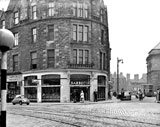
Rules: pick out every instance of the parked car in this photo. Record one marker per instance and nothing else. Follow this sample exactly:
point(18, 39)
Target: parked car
point(20, 99)
point(127, 96)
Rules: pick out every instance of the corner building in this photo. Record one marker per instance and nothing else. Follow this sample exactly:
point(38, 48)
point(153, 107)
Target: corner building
point(61, 46)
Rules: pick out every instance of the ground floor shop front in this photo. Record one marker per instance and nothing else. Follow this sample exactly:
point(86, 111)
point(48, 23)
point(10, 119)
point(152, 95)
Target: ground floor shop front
point(62, 86)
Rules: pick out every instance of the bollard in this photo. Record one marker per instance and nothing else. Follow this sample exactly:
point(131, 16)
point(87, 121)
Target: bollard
point(6, 43)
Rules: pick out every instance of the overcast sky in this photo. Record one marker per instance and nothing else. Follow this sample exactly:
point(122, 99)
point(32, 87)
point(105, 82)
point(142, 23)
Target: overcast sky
point(134, 29)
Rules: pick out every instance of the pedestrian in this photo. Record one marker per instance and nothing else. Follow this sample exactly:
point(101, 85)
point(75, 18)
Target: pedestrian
point(140, 94)
point(158, 96)
point(122, 93)
point(109, 94)
point(82, 96)
point(74, 96)
point(95, 95)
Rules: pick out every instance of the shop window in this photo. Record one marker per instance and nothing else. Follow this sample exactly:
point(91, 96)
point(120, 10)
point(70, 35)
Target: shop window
point(79, 79)
point(31, 93)
point(101, 80)
point(51, 79)
point(30, 81)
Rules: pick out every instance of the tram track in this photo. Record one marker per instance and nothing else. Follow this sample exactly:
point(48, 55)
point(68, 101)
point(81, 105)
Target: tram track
point(80, 120)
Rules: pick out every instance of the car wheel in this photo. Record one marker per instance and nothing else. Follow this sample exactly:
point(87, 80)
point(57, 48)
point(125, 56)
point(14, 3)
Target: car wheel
point(13, 103)
point(27, 103)
point(20, 102)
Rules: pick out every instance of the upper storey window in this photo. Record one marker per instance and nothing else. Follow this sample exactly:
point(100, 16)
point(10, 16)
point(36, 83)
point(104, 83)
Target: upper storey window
point(80, 33)
point(34, 12)
point(16, 39)
point(16, 17)
point(101, 15)
point(51, 7)
point(50, 32)
point(34, 34)
point(85, 10)
point(3, 24)
point(80, 10)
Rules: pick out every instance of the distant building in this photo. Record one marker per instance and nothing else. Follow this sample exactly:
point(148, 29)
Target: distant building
point(61, 46)
point(153, 68)
point(127, 83)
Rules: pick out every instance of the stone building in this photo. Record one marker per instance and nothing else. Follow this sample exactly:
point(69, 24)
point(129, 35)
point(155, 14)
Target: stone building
point(60, 47)
point(153, 68)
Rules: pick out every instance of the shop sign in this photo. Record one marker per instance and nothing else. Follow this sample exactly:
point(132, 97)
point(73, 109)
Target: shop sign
point(14, 78)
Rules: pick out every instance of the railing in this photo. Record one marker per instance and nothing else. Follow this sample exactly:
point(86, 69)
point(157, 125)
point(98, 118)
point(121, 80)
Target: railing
point(81, 66)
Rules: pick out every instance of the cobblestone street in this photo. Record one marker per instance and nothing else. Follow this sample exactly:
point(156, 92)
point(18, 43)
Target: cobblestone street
point(111, 113)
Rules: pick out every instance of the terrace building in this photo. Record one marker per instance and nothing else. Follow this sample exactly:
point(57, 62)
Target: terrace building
point(61, 46)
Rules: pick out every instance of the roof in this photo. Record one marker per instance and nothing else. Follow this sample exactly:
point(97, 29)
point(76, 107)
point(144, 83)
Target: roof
point(12, 4)
point(157, 46)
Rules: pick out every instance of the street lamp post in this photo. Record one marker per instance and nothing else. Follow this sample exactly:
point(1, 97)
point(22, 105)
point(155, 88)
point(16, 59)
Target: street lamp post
point(118, 60)
point(6, 43)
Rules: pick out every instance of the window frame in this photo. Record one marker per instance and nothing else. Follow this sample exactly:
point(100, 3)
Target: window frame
point(50, 32)
point(34, 60)
point(15, 62)
point(34, 12)
point(16, 37)
point(34, 34)
point(49, 57)
point(16, 17)
point(51, 8)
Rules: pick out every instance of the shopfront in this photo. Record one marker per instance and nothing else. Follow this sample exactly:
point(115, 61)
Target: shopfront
point(51, 88)
point(78, 83)
point(30, 88)
point(101, 87)
point(13, 86)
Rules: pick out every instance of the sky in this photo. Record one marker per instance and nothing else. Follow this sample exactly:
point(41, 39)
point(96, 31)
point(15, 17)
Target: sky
point(134, 29)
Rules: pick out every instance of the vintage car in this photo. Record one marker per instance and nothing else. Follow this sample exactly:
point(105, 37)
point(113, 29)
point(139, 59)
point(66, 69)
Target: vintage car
point(127, 96)
point(20, 99)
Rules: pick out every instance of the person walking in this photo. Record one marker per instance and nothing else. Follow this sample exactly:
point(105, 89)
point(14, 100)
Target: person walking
point(140, 95)
point(95, 95)
point(82, 96)
point(158, 96)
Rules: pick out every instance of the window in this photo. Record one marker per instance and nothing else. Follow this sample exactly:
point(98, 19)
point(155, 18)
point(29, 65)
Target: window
point(102, 61)
point(85, 11)
point(51, 58)
point(86, 33)
point(101, 15)
point(86, 57)
point(33, 60)
point(16, 17)
point(51, 79)
point(80, 56)
point(16, 39)
point(51, 32)
point(75, 56)
point(74, 9)
point(34, 12)
point(3, 24)
point(102, 37)
point(51, 9)
point(15, 63)
point(80, 33)
point(34, 34)
point(75, 32)
point(80, 10)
